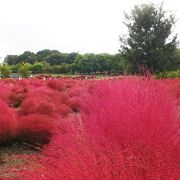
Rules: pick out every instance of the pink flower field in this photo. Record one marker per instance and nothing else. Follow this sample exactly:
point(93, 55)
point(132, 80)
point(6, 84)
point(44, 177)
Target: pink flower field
point(114, 129)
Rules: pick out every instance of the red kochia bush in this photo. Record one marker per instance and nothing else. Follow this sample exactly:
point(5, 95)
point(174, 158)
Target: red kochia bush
point(55, 84)
point(17, 96)
point(35, 128)
point(37, 105)
point(140, 118)
point(5, 90)
point(128, 130)
point(8, 123)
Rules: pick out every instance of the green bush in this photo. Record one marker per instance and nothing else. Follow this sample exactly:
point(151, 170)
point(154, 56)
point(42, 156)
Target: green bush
point(24, 70)
point(5, 71)
point(170, 74)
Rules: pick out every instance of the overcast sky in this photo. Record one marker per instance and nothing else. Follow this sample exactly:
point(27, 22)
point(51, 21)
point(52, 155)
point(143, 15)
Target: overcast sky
point(66, 25)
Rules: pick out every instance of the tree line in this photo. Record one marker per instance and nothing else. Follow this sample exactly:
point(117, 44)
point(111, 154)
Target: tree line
point(53, 61)
point(73, 63)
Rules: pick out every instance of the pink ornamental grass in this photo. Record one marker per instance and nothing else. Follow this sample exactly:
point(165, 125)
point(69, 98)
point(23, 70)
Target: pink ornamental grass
point(128, 129)
point(8, 123)
point(141, 119)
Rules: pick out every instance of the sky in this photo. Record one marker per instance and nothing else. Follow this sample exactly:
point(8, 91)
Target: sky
point(84, 26)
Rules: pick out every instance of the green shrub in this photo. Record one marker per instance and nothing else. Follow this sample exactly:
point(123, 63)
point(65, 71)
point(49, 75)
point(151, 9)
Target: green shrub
point(170, 74)
point(5, 71)
point(24, 70)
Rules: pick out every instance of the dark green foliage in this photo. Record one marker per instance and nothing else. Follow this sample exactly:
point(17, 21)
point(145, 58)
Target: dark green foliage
point(148, 42)
point(53, 57)
point(99, 63)
point(11, 59)
point(52, 61)
point(27, 57)
point(62, 69)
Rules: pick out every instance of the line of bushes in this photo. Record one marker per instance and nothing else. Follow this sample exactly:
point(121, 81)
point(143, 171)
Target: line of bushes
point(168, 74)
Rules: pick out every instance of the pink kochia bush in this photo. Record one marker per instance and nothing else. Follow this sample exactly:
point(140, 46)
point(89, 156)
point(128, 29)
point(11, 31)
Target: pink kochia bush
point(8, 123)
point(140, 118)
point(30, 110)
point(127, 129)
point(35, 128)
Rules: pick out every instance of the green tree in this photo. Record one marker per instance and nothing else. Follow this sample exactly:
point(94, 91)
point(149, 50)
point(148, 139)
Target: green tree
point(55, 58)
point(61, 69)
point(177, 62)
point(27, 57)
point(104, 62)
point(148, 42)
point(117, 65)
point(37, 67)
point(41, 55)
point(15, 68)
point(70, 58)
point(46, 67)
point(5, 70)
point(24, 70)
point(84, 63)
point(11, 59)
point(65, 68)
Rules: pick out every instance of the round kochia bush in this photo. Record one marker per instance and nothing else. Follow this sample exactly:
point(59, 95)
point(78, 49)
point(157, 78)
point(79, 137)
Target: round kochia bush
point(128, 129)
point(8, 123)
